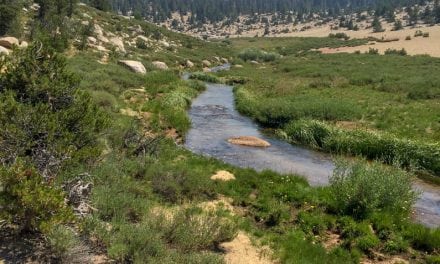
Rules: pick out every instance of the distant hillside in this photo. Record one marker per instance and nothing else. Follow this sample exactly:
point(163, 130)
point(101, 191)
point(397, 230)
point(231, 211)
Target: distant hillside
point(217, 10)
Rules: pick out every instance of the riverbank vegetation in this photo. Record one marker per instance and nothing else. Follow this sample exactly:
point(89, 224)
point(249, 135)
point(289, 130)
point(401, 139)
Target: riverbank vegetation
point(378, 107)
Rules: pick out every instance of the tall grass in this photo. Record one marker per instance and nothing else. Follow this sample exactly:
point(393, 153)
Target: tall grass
point(371, 145)
point(252, 54)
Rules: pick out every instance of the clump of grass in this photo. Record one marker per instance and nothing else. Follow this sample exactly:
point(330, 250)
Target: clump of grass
point(252, 54)
point(361, 189)
point(206, 77)
point(401, 52)
point(374, 146)
point(339, 35)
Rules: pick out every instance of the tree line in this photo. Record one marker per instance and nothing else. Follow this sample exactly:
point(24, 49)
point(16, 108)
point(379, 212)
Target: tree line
point(217, 10)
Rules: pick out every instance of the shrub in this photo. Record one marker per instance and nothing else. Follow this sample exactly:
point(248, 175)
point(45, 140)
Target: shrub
point(360, 189)
point(426, 34)
point(339, 35)
point(29, 201)
point(61, 240)
point(418, 33)
point(195, 230)
point(408, 38)
point(401, 52)
point(253, 54)
point(44, 117)
point(373, 51)
point(423, 238)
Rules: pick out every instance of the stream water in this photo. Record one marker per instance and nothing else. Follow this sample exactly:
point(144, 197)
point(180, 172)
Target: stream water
point(215, 120)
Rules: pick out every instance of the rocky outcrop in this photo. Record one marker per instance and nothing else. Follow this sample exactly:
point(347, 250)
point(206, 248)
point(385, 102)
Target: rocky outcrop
point(249, 141)
point(118, 43)
point(143, 38)
point(189, 64)
point(9, 42)
point(160, 65)
point(135, 66)
point(206, 63)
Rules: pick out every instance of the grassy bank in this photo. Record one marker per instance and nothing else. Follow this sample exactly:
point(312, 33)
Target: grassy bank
point(378, 107)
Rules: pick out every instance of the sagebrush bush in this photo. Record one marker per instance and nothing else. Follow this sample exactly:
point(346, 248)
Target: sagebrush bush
point(61, 240)
point(29, 201)
point(360, 189)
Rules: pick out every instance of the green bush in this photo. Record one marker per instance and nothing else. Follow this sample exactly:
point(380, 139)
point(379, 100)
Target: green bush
point(253, 54)
point(195, 230)
point(339, 35)
point(44, 116)
point(423, 238)
point(29, 201)
point(360, 189)
point(61, 240)
point(401, 52)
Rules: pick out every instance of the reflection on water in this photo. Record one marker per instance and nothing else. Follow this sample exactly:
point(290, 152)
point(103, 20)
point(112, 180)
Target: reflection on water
point(214, 120)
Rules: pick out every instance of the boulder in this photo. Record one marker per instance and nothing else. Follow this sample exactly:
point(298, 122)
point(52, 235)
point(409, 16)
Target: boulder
point(249, 141)
point(189, 64)
point(143, 38)
point(217, 58)
point(160, 65)
point(24, 44)
point(165, 44)
point(224, 60)
point(9, 42)
point(4, 50)
point(118, 43)
point(223, 175)
point(206, 69)
point(254, 62)
point(206, 63)
point(135, 66)
point(238, 66)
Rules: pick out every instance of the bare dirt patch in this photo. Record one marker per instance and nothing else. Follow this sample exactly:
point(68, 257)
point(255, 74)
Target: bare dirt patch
point(223, 176)
point(242, 251)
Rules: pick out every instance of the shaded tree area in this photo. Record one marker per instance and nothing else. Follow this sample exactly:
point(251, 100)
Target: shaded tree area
point(216, 10)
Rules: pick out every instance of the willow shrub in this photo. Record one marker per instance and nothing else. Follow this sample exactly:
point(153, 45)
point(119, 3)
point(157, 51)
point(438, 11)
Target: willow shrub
point(360, 189)
point(371, 145)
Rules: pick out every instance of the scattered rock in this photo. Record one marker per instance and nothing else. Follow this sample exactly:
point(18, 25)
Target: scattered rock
point(249, 141)
point(134, 66)
point(100, 48)
point(206, 63)
point(85, 23)
point(160, 65)
point(254, 62)
point(35, 7)
point(4, 50)
point(189, 64)
point(118, 43)
point(165, 44)
point(224, 60)
point(206, 70)
point(223, 175)
point(97, 30)
point(9, 42)
point(238, 66)
point(217, 58)
point(92, 40)
point(24, 44)
point(143, 38)
point(242, 251)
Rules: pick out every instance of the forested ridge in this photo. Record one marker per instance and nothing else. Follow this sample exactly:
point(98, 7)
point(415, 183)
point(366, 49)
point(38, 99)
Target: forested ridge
point(215, 10)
